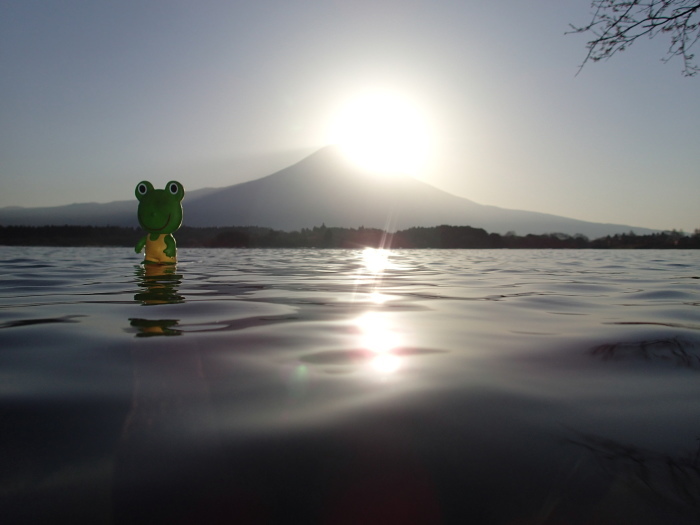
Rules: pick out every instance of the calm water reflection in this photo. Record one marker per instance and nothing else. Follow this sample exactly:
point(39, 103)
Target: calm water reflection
point(350, 386)
point(159, 284)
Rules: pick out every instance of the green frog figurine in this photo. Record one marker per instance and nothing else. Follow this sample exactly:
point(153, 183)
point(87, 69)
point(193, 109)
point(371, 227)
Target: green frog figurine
point(160, 214)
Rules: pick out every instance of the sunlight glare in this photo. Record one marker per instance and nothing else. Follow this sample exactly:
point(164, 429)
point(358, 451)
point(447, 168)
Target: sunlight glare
point(386, 363)
point(376, 337)
point(375, 260)
point(384, 133)
point(378, 297)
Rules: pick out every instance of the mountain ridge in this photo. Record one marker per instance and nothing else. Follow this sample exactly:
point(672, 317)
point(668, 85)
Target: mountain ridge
point(324, 188)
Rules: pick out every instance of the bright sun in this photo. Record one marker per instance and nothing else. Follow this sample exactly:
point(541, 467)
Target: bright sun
point(383, 133)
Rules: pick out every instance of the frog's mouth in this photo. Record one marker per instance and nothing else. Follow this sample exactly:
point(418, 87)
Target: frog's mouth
point(152, 229)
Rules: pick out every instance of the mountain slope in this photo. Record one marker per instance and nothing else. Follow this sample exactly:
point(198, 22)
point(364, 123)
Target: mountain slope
point(324, 188)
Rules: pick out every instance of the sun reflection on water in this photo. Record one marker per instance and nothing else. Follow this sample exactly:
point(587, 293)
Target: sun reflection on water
point(386, 363)
point(376, 335)
point(381, 340)
point(374, 263)
point(375, 260)
point(377, 297)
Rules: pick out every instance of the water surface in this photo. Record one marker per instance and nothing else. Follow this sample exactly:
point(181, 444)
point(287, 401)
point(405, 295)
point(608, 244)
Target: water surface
point(350, 386)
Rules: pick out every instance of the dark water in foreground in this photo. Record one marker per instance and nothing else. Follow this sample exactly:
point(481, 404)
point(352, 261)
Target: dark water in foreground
point(282, 386)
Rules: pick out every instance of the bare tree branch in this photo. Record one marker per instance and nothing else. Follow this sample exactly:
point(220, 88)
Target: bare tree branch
point(617, 24)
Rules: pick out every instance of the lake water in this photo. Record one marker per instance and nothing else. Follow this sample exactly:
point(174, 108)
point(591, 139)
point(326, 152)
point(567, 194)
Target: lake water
point(350, 386)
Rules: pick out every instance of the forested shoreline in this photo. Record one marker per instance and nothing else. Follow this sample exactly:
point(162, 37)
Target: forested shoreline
point(444, 237)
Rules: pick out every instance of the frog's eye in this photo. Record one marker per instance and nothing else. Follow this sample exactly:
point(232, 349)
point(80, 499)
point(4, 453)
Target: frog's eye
point(142, 189)
point(174, 188)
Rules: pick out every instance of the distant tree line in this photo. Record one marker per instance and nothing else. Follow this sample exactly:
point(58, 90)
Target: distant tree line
point(329, 237)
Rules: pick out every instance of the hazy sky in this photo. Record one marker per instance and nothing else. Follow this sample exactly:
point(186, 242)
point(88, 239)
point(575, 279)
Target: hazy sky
point(95, 96)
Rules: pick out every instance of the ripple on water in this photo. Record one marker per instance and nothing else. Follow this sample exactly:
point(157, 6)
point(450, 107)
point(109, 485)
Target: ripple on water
point(665, 295)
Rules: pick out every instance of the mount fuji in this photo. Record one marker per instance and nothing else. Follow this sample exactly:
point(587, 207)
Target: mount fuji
point(324, 188)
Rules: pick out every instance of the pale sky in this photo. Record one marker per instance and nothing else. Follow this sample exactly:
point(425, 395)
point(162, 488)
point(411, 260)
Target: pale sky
point(96, 96)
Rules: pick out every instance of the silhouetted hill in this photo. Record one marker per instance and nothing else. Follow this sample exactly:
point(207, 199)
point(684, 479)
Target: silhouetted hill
point(324, 188)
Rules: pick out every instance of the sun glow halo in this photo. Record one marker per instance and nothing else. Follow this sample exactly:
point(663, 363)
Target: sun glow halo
point(383, 133)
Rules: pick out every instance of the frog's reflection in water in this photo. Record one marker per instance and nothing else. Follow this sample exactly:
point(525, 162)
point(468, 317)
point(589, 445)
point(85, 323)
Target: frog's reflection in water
point(159, 284)
point(168, 435)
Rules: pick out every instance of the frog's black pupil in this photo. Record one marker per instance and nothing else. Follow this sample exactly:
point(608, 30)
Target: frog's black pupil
point(142, 189)
point(173, 188)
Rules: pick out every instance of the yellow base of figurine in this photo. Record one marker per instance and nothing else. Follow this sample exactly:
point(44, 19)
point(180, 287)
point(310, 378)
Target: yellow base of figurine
point(155, 252)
